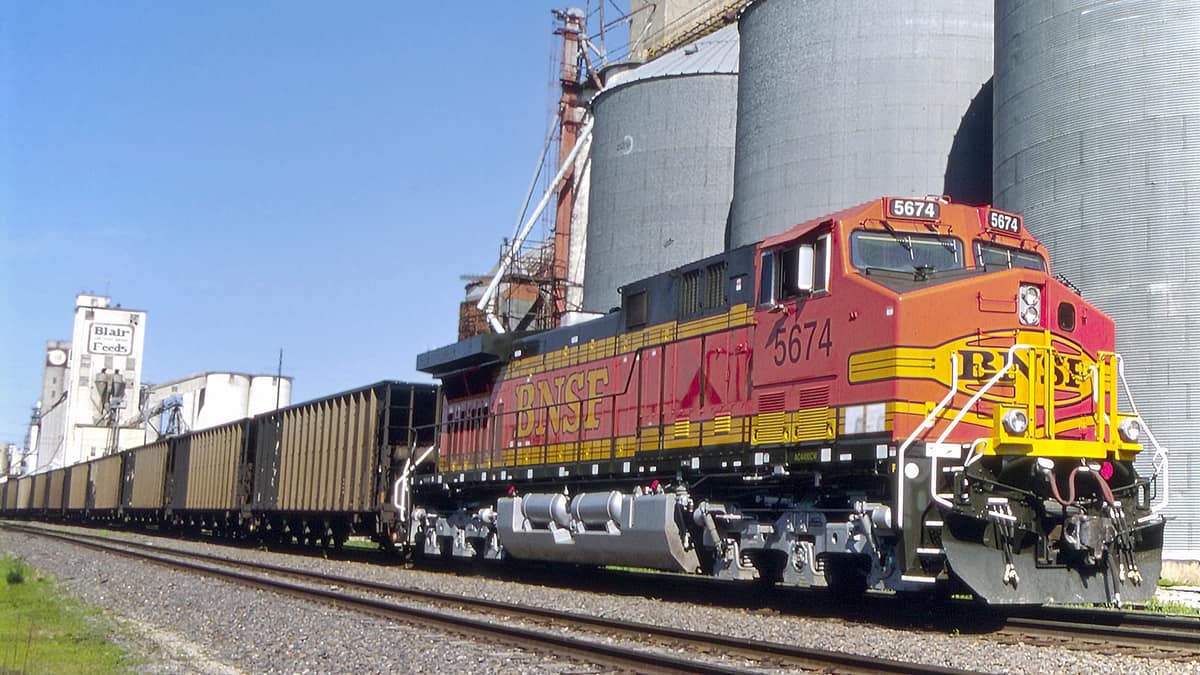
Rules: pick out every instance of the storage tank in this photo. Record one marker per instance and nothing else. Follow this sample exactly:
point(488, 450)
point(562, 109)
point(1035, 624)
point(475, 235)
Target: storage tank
point(263, 393)
point(841, 102)
point(1097, 107)
point(662, 166)
point(224, 397)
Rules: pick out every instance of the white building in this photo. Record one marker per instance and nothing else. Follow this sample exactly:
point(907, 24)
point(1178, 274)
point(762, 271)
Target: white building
point(210, 399)
point(90, 386)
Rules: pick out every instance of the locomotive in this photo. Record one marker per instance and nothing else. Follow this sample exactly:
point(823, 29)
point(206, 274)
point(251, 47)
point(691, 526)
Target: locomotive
point(896, 396)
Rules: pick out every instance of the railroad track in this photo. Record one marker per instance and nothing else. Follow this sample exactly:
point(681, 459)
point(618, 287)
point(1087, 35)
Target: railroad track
point(1122, 633)
point(565, 634)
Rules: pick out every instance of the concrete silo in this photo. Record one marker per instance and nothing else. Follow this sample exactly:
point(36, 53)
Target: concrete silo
point(268, 392)
point(662, 166)
point(841, 102)
point(1097, 107)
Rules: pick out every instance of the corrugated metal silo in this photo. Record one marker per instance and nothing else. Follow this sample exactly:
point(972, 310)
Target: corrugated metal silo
point(1097, 107)
point(662, 166)
point(841, 102)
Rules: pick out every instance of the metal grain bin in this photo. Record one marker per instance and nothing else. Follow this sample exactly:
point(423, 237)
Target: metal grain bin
point(840, 102)
point(1096, 111)
point(54, 499)
point(662, 166)
point(77, 487)
point(145, 477)
point(105, 478)
point(331, 454)
point(205, 467)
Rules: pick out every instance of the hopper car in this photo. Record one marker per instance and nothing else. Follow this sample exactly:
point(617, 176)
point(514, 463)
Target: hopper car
point(897, 396)
point(317, 472)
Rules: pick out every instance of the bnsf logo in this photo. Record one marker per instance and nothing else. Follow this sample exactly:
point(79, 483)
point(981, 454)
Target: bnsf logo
point(562, 403)
point(1070, 372)
point(980, 358)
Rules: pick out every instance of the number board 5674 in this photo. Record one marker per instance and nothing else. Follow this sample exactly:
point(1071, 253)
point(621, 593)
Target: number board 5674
point(1004, 222)
point(914, 209)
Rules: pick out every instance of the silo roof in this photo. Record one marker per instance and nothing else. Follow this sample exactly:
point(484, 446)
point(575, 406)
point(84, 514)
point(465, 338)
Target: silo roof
point(715, 54)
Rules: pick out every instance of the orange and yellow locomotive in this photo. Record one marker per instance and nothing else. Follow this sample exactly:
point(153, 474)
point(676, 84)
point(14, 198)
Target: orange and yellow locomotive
point(899, 395)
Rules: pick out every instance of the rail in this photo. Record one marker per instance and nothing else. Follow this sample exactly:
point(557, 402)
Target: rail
point(693, 651)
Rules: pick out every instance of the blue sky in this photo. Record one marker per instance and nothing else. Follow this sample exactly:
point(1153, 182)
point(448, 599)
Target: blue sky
point(307, 176)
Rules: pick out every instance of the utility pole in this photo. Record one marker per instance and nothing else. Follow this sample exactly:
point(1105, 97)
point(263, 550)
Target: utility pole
point(279, 378)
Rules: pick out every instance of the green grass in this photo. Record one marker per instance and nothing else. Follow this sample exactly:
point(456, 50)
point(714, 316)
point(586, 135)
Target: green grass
point(1170, 607)
point(360, 544)
point(44, 631)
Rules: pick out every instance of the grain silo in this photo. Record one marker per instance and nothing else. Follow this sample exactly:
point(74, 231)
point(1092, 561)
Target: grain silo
point(1097, 106)
point(267, 393)
point(841, 102)
point(662, 166)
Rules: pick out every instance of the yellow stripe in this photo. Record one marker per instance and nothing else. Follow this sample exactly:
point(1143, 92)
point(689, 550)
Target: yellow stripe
point(682, 428)
point(671, 331)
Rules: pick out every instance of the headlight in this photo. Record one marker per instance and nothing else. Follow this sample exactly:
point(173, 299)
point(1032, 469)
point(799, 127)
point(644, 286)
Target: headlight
point(1029, 305)
point(1130, 430)
point(1015, 422)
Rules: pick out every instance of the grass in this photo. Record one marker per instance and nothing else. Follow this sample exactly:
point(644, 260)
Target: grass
point(44, 631)
point(1170, 607)
point(360, 544)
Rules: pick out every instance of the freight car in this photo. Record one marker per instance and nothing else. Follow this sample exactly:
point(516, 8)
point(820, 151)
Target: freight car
point(899, 396)
point(318, 472)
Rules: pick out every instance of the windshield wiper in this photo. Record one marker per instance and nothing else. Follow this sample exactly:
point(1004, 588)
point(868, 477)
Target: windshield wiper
point(901, 238)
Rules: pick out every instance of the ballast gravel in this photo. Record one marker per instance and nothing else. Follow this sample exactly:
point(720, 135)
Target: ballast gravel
point(177, 622)
point(226, 628)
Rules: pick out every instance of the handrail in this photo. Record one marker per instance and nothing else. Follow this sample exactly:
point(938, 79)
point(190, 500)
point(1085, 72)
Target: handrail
point(1162, 455)
point(927, 423)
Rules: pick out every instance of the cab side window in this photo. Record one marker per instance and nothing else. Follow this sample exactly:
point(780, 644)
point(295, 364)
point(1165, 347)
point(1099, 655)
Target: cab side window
point(795, 270)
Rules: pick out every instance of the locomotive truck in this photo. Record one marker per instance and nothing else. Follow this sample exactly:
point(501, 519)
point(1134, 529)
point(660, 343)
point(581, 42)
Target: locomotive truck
point(897, 396)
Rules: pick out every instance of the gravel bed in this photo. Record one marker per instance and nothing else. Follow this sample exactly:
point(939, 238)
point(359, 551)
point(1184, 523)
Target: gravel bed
point(320, 640)
point(175, 622)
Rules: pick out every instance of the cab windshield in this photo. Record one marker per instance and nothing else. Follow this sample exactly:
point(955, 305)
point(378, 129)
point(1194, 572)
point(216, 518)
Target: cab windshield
point(905, 251)
point(994, 257)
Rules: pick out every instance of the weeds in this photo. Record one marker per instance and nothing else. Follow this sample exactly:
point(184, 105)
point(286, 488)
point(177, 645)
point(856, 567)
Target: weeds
point(1171, 607)
point(17, 572)
point(45, 631)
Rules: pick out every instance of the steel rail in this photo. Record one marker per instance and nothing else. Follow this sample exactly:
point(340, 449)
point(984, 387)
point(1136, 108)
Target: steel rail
point(1160, 638)
point(776, 654)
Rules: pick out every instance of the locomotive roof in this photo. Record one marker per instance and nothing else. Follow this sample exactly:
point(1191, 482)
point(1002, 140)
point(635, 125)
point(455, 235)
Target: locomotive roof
point(799, 230)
